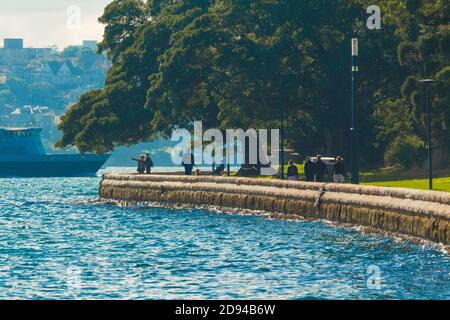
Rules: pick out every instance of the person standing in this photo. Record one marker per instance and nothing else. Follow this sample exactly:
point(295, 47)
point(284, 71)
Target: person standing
point(148, 163)
point(292, 173)
point(339, 171)
point(309, 170)
point(320, 169)
point(141, 164)
point(219, 170)
point(188, 163)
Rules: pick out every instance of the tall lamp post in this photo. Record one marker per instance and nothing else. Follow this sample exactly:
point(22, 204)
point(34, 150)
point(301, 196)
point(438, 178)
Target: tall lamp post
point(354, 128)
point(427, 83)
point(282, 140)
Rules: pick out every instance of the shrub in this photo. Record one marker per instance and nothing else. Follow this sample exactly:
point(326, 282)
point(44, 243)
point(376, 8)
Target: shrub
point(406, 151)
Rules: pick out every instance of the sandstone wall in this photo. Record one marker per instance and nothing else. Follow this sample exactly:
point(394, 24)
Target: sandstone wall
point(424, 214)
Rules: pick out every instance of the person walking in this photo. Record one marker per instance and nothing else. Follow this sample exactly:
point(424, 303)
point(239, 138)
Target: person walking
point(141, 164)
point(309, 170)
point(320, 169)
point(188, 163)
point(292, 173)
point(148, 163)
point(339, 171)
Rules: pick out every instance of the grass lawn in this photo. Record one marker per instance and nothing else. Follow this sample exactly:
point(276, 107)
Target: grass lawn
point(412, 180)
point(397, 180)
point(439, 184)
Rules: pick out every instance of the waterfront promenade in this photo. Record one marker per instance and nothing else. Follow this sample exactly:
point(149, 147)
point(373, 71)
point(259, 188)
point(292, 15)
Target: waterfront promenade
point(423, 214)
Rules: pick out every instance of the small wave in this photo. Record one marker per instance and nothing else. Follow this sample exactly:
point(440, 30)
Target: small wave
point(397, 237)
point(280, 216)
point(92, 201)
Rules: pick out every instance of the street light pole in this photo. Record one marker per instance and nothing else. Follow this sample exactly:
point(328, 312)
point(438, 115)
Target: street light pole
point(427, 83)
point(228, 160)
point(282, 140)
point(354, 128)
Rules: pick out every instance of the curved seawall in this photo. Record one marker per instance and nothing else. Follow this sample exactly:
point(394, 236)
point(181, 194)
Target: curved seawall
point(424, 214)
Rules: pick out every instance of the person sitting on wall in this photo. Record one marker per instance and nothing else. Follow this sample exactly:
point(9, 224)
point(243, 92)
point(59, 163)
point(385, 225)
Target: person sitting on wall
point(292, 173)
point(141, 164)
point(219, 170)
point(148, 164)
point(320, 169)
point(188, 163)
point(339, 171)
point(309, 170)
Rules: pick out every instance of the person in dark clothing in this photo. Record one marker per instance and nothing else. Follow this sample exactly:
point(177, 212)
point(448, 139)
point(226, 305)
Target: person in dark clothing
point(219, 170)
point(292, 173)
point(309, 170)
point(148, 163)
point(188, 163)
point(320, 169)
point(141, 164)
point(339, 171)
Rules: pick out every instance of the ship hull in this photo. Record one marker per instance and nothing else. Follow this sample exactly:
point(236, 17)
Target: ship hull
point(51, 165)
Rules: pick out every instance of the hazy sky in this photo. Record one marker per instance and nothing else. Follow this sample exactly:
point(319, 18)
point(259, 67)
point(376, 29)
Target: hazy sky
point(43, 23)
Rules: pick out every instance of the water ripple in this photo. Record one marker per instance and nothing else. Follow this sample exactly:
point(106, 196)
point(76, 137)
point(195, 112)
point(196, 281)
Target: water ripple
point(58, 241)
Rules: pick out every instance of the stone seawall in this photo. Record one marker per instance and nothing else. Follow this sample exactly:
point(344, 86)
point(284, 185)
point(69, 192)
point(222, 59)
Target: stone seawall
point(424, 214)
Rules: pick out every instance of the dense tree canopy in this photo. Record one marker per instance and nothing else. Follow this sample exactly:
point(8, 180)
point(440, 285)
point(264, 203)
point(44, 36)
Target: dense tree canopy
point(424, 52)
point(236, 63)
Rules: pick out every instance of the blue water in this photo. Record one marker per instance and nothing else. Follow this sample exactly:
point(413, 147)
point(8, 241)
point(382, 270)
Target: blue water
point(57, 242)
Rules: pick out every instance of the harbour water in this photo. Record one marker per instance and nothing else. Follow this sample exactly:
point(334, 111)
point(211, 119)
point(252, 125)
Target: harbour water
point(58, 241)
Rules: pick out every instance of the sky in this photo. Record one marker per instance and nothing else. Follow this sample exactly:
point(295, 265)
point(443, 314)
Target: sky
point(43, 23)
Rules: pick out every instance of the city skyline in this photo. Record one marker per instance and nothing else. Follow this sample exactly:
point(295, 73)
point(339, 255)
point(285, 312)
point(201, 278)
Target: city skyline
point(46, 23)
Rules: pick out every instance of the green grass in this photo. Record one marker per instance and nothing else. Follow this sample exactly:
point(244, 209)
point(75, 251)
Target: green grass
point(388, 177)
point(439, 184)
point(397, 179)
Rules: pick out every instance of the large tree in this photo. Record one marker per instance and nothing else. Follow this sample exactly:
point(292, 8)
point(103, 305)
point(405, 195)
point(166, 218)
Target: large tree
point(423, 53)
point(236, 63)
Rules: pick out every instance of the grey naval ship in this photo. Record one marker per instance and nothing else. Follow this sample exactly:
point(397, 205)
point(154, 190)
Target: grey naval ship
point(22, 154)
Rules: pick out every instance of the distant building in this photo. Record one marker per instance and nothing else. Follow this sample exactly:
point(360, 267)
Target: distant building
point(13, 43)
point(44, 65)
point(14, 57)
point(92, 44)
point(60, 72)
point(69, 76)
point(14, 54)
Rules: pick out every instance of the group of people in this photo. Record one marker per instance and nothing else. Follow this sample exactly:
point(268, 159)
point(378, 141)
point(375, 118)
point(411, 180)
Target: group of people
point(317, 171)
point(145, 164)
point(189, 164)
